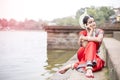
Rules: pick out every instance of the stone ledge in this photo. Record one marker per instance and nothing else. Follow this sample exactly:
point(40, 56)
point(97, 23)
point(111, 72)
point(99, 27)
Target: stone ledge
point(113, 62)
point(116, 35)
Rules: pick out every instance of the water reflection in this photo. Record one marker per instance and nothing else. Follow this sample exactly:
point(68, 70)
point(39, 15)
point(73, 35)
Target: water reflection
point(56, 58)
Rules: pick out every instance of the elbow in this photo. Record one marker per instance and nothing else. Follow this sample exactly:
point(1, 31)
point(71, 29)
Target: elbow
point(100, 40)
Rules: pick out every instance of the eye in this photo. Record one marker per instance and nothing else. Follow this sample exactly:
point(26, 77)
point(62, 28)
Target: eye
point(90, 22)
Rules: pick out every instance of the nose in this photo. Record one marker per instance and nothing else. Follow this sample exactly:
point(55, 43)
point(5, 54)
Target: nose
point(93, 23)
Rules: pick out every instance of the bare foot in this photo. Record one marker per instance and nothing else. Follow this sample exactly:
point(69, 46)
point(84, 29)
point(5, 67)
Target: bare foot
point(89, 73)
point(66, 68)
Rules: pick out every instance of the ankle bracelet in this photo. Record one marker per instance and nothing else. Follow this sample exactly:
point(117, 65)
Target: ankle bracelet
point(89, 67)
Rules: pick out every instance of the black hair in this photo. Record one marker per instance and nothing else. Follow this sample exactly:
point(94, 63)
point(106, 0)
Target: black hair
point(85, 19)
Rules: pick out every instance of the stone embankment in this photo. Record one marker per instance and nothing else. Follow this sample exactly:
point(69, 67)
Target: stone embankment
point(113, 54)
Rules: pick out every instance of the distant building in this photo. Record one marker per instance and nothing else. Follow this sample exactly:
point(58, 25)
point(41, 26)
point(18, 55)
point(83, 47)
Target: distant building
point(115, 18)
point(118, 18)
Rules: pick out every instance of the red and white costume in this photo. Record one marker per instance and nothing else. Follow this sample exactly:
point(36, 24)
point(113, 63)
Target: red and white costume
point(89, 55)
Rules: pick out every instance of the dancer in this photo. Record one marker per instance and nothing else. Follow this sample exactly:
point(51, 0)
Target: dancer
point(90, 40)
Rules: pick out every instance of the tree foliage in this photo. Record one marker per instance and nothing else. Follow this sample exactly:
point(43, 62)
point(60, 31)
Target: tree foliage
point(67, 21)
point(101, 15)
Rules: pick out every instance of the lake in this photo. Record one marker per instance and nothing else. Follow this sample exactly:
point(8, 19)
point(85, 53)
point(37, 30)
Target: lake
point(24, 56)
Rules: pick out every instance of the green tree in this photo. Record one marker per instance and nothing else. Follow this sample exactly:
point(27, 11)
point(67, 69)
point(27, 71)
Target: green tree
point(101, 15)
point(107, 12)
point(67, 21)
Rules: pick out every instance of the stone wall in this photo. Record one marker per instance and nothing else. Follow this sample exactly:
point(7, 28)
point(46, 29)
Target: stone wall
point(62, 41)
point(66, 37)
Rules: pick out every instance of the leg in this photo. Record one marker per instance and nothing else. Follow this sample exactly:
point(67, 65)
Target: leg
point(81, 67)
point(90, 52)
point(80, 53)
point(99, 65)
point(86, 54)
point(66, 68)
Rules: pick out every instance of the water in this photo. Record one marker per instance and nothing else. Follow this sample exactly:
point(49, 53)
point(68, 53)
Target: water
point(24, 56)
point(56, 59)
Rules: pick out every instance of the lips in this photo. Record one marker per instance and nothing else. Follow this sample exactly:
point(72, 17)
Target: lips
point(94, 25)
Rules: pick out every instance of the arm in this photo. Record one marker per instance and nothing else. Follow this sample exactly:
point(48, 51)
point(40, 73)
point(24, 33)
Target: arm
point(99, 38)
point(82, 42)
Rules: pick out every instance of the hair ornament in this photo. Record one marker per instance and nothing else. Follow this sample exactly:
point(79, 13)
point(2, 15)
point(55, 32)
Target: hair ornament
point(81, 19)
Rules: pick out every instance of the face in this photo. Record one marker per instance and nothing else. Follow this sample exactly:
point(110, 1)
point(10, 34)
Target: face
point(91, 22)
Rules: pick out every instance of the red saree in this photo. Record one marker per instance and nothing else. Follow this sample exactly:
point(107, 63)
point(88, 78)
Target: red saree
point(89, 55)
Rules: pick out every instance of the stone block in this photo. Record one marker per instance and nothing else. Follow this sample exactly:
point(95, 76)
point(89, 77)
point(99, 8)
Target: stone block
point(116, 35)
point(113, 62)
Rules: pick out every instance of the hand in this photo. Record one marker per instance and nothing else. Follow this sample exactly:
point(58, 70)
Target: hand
point(83, 38)
point(80, 38)
point(89, 27)
point(84, 43)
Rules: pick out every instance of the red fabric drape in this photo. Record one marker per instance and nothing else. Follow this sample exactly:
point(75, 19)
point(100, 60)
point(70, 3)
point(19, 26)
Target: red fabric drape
point(89, 53)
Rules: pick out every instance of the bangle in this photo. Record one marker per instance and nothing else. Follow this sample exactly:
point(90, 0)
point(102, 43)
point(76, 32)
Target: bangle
point(89, 67)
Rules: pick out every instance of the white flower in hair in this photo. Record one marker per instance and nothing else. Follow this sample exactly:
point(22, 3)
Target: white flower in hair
point(81, 19)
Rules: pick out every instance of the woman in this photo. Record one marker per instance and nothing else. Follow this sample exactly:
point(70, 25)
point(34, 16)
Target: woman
point(90, 40)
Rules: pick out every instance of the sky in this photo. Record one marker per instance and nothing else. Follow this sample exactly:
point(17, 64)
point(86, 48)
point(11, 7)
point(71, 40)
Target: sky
point(47, 9)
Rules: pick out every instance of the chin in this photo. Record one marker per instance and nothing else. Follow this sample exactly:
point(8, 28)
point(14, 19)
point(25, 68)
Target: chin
point(94, 26)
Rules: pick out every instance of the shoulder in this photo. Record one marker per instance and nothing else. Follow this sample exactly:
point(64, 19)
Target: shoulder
point(100, 31)
point(83, 32)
